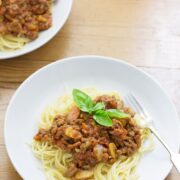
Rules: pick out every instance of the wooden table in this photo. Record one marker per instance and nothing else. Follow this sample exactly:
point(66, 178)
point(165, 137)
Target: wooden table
point(145, 33)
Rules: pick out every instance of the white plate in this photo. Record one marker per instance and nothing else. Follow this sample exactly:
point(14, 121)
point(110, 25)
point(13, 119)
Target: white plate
point(103, 73)
point(60, 13)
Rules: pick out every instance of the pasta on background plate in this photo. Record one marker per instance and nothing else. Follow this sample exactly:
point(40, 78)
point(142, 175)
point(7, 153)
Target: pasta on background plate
point(21, 21)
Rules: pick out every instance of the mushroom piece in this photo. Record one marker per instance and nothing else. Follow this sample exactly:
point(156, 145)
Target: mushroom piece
point(83, 174)
point(112, 150)
point(72, 133)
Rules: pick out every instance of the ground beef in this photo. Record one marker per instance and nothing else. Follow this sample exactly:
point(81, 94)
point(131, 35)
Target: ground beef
point(109, 101)
point(25, 17)
point(90, 143)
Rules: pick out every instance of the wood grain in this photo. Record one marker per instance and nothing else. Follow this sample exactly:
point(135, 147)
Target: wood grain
point(145, 33)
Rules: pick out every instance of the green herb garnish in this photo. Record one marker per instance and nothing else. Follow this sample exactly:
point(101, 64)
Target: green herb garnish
point(102, 118)
point(100, 115)
point(115, 113)
point(99, 106)
point(83, 101)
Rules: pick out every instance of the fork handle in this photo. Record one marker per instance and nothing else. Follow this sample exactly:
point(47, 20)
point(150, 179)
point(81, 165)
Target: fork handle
point(160, 139)
point(175, 158)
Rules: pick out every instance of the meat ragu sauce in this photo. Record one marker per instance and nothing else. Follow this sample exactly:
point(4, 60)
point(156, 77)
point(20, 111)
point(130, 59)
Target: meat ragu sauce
point(25, 17)
point(90, 143)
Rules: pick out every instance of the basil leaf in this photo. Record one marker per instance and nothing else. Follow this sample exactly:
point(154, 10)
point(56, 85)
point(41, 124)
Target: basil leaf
point(99, 106)
point(102, 118)
point(83, 101)
point(114, 113)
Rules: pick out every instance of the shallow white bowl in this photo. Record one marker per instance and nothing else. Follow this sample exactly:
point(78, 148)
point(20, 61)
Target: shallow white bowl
point(60, 13)
point(104, 73)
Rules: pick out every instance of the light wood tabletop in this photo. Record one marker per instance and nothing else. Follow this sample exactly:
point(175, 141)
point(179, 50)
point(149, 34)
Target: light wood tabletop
point(145, 33)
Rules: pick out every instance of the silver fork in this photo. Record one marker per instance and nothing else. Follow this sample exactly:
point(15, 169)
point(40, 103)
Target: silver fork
point(132, 101)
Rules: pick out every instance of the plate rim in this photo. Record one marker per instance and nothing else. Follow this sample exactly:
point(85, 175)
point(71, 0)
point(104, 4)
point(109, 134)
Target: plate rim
point(9, 57)
point(73, 58)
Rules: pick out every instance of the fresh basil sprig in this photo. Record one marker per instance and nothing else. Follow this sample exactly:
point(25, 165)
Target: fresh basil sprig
point(102, 118)
point(100, 115)
point(114, 113)
point(99, 106)
point(83, 101)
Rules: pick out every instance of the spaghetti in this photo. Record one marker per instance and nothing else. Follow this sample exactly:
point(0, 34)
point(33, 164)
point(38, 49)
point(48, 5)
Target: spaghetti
point(56, 161)
point(11, 43)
